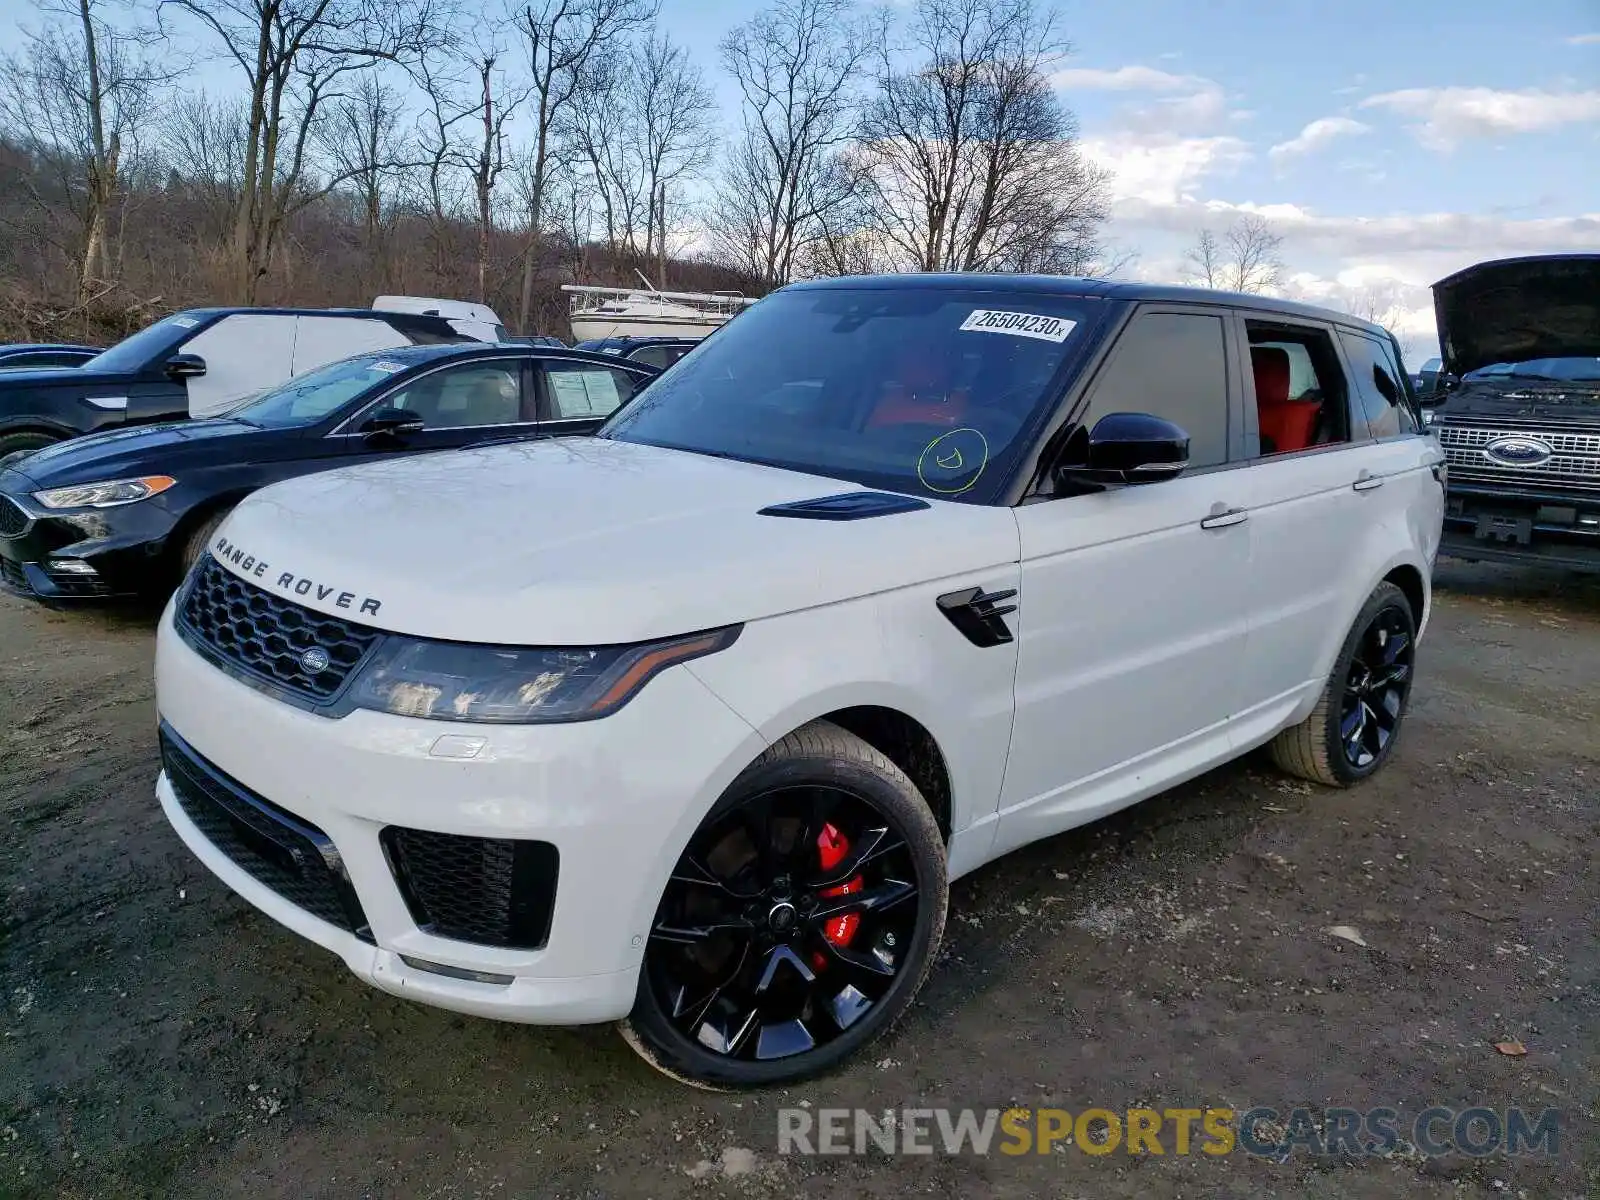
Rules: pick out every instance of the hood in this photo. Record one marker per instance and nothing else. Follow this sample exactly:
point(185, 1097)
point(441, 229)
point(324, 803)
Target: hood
point(586, 542)
point(1518, 309)
point(140, 450)
point(15, 379)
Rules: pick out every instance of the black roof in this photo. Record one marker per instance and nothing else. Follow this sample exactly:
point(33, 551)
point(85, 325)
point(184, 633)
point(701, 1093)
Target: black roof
point(648, 339)
point(1068, 285)
point(416, 355)
point(31, 347)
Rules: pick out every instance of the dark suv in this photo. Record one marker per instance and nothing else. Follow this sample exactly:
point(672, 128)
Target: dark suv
point(1517, 410)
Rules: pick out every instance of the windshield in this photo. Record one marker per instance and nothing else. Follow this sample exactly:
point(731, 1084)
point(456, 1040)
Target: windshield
point(313, 397)
point(1562, 370)
point(132, 353)
point(923, 390)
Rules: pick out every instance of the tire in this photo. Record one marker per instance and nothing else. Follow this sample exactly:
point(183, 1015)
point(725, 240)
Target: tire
point(815, 777)
point(1318, 749)
point(15, 445)
point(199, 540)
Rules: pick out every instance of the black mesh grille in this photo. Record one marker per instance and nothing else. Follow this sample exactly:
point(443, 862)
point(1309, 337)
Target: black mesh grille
point(11, 575)
point(267, 636)
point(492, 891)
point(12, 519)
point(292, 857)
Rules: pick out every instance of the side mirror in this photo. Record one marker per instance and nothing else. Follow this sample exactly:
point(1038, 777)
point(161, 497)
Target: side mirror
point(392, 421)
point(185, 366)
point(1124, 448)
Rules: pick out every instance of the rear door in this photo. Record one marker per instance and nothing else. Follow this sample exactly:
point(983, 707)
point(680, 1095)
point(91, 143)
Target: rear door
point(1133, 611)
point(1316, 486)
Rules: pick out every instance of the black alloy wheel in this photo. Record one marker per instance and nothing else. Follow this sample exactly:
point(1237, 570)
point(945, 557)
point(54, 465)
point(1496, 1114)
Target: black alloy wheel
point(1356, 723)
point(1376, 688)
point(798, 922)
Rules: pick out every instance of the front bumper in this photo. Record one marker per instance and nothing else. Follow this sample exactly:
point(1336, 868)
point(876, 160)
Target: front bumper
point(1497, 522)
point(617, 798)
point(89, 554)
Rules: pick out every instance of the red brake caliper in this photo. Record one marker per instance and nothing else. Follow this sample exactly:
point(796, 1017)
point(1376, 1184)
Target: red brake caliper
point(832, 846)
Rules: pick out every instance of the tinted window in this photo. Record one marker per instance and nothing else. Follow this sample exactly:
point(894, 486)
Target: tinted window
point(465, 397)
point(579, 390)
point(132, 353)
point(1171, 365)
point(927, 390)
point(654, 356)
point(314, 396)
point(1378, 386)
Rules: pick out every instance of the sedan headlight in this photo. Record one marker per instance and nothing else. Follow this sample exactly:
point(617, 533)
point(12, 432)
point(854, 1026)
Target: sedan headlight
point(452, 681)
point(105, 495)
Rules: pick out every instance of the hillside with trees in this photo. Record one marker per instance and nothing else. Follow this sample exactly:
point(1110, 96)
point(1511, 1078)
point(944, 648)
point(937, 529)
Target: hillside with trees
point(495, 151)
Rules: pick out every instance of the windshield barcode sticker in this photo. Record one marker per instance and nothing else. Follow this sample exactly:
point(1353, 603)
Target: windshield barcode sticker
point(388, 368)
point(185, 322)
point(1046, 329)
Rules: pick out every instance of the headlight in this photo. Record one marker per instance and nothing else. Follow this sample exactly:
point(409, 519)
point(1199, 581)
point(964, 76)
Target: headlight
point(450, 681)
point(105, 495)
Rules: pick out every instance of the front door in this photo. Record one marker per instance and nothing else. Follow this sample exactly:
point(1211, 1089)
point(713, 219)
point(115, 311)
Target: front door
point(1134, 603)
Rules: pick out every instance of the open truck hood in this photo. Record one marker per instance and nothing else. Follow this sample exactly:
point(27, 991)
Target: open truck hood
point(1517, 309)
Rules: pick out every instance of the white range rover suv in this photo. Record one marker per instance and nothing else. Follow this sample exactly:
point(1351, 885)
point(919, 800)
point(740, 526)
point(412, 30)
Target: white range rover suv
point(691, 724)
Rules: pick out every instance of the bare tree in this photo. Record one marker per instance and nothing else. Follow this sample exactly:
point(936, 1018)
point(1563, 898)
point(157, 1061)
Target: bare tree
point(295, 57)
point(797, 65)
point(1254, 252)
point(1384, 304)
point(973, 159)
point(496, 102)
point(363, 142)
point(1247, 258)
point(562, 38)
point(674, 113)
point(81, 89)
point(1203, 262)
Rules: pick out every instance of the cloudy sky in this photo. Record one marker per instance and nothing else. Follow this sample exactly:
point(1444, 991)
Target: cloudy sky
point(1390, 141)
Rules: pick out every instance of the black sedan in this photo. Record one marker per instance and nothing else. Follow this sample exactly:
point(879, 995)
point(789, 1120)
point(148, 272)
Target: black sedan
point(31, 355)
point(126, 512)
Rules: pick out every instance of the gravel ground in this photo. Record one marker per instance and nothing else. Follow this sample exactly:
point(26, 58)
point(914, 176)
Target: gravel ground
point(159, 1037)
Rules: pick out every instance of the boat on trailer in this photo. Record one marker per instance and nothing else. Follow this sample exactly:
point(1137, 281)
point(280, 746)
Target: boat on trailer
point(606, 312)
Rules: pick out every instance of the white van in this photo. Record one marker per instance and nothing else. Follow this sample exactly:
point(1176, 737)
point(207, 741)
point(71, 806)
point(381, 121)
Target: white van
point(474, 320)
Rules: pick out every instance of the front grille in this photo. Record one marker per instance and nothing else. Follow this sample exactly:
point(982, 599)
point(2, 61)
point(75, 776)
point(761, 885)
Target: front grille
point(292, 857)
point(11, 575)
point(12, 519)
point(248, 628)
point(1576, 460)
point(492, 891)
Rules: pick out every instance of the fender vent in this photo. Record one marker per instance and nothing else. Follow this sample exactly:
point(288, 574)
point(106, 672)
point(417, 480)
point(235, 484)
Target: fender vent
point(847, 506)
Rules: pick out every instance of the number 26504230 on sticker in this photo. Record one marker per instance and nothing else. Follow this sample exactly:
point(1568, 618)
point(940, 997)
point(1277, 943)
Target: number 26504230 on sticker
point(1018, 324)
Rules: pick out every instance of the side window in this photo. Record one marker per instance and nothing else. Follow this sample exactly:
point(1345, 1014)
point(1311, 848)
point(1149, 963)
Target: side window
point(1380, 386)
point(580, 390)
point(465, 397)
point(1301, 398)
point(1171, 365)
point(653, 356)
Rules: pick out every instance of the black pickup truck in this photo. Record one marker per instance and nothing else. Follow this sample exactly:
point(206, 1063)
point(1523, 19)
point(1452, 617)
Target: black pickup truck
point(1517, 410)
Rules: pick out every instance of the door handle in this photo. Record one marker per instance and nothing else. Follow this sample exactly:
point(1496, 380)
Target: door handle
point(1367, 481)
point(1221, 518)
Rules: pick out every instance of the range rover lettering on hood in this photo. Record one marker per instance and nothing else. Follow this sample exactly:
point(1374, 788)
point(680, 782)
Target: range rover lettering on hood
point(288, 581)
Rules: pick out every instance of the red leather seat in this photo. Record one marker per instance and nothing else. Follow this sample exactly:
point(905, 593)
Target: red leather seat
point(1286, 425)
